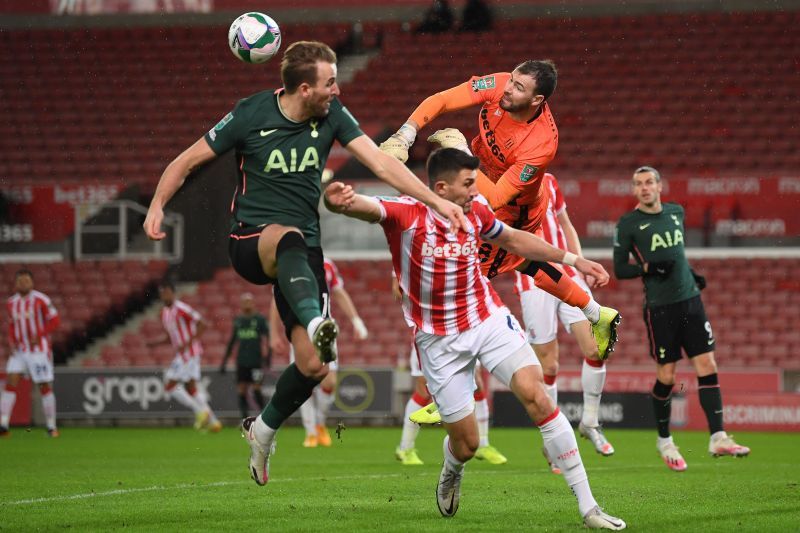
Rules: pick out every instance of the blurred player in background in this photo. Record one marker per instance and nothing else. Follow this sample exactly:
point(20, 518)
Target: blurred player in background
point(282, 140)
point(32, 318)
point(251, 336)
point(459, 319)
point(183, 326)
point(314, 411)
point(406, 451)
point(517, 139)
point(541, 312)
point(653, 234)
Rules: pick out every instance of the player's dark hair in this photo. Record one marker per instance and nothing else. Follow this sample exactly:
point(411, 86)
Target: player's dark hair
point(644, 169)
point(167, 284)
point(23, 272)
point(445, 163)
point(299, 63)
point(544, 72)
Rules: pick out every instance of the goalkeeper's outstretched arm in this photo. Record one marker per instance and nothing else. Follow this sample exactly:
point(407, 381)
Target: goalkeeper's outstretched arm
point(453, 99)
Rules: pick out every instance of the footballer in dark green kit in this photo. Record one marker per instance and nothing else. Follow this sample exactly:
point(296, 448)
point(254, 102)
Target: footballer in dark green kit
point(654, 235)
point(282, 138)
point(250, 336)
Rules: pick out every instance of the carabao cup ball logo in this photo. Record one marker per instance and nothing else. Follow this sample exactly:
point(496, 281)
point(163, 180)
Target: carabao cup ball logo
point(254, 37)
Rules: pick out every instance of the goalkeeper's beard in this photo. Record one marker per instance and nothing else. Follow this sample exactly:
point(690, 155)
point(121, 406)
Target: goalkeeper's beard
point(511, 108)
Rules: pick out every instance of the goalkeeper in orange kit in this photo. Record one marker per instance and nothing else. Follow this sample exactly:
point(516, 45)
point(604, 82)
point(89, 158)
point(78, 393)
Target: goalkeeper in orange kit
point(517, 139)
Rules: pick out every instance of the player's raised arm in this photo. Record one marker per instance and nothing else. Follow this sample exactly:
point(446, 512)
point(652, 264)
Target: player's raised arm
point(534, 248)
point(396, 174)
point(453, 99)
point(171, 180)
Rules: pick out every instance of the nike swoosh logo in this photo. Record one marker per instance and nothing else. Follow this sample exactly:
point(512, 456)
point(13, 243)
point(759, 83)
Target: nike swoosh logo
point(292, 280)
point(267, 132)
point(449, 510)
point(641, 226)
point(711, 342)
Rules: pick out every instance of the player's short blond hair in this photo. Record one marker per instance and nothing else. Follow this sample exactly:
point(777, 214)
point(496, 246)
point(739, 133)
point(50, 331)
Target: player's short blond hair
point(299, 63)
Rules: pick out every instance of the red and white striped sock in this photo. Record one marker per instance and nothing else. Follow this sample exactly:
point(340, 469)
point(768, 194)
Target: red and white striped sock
point(308, 412)
point(410, 429)
point(450, 460)
point(325, 397)
point(482, 416)
point(593, 379)
point(49, 408)
point(7, 400)
point(562, 448)
point(551, 387)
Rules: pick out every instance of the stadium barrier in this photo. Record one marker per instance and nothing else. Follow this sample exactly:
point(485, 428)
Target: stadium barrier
point(742, 411)
point(138, 394)
point(22, 414)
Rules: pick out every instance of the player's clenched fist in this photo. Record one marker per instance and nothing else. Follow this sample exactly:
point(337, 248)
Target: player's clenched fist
point(450, 138)
point(152, 223)
point(591, 269)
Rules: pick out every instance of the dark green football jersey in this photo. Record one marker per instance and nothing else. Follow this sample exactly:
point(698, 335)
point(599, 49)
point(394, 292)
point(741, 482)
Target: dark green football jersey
point(247, 331)
point(280, 161)
point(653, 238)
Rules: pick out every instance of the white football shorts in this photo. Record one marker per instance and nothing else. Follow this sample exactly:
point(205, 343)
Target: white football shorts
point(38, 365)
point(183, 371)
point(448, 361)
point(541, 312)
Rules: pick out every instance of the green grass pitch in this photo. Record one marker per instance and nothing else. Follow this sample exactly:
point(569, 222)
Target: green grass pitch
point(176, 479)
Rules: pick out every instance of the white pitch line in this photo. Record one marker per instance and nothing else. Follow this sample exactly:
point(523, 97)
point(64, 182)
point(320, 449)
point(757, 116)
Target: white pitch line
point(181, 486)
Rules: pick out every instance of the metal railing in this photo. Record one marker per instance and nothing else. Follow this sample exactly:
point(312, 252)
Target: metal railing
point(114, 231)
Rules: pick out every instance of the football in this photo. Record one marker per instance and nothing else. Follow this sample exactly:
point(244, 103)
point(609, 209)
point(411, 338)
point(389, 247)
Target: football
point(254, 37)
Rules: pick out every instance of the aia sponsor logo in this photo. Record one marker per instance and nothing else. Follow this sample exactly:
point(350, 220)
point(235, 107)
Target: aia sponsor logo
point(450, 250)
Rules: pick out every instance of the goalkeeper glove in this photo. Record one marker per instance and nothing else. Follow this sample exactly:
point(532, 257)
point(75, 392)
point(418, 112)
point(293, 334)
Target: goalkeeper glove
point(450, 138)
point(398, 144)
point(699, 280)
point(660, 268)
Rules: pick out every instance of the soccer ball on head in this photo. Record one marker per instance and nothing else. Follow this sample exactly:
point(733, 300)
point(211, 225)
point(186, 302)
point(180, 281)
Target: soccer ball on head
point(254, 37)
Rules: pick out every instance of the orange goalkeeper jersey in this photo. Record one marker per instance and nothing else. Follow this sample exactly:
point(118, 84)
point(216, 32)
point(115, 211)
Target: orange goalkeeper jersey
point(515, 156)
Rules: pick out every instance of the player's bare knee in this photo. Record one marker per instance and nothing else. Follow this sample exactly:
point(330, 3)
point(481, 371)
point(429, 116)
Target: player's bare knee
point(550, 368)
point(705, 364)
point(312, 367)
point(464, 446)
point(12, 380)
point(666, 373)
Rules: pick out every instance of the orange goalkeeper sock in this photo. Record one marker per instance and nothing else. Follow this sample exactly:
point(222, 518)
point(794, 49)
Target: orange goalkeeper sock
point(549, 278)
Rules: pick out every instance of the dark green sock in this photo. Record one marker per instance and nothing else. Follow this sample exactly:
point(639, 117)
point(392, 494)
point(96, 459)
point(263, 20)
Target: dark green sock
point(662, 407)
point(296, 279)
point(291, 391)
point(711, 401)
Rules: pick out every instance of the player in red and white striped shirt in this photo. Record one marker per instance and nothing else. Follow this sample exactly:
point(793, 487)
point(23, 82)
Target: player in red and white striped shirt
point(542, 311)
point(183, 327)
point(32, 318)
point(460, 319)
point(314, 411)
